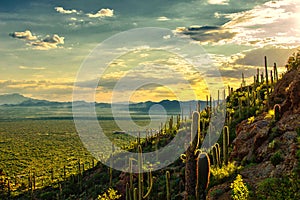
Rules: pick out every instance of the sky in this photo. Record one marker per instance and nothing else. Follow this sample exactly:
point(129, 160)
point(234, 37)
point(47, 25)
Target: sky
point(45, 43)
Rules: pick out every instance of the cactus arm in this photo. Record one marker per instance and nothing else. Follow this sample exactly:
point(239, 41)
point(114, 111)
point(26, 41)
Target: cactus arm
point(150, 186)
point(183, 157)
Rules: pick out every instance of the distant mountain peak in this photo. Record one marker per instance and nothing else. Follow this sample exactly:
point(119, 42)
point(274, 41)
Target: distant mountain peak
point(13, 98)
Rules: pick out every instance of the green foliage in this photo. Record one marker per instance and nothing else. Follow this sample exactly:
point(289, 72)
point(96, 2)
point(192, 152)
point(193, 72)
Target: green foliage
point(110, 194)
point(286, 188)
point(239, 189)
point(274, 144)
point(48, 195)
point(217, 193)
point(276, 158)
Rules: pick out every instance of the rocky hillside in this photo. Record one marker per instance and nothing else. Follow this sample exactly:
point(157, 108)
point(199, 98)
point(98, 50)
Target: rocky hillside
point(267, 147)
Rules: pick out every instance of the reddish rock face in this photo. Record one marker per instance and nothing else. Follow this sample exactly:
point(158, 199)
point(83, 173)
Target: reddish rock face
point(287, 93)
point(257, 142)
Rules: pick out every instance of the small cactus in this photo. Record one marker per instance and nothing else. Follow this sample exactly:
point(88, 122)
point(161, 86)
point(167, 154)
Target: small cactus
point(168, 185)
point(214, 156)
point(277, 110)
point(171, 123)
point(218, 154)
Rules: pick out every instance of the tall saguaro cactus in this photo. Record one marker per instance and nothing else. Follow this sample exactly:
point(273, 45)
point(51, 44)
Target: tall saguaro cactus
point(137, 193)
point(225, 144)
point(266, 70)
point(275, 72)
point(191, 156)
point(203, 174)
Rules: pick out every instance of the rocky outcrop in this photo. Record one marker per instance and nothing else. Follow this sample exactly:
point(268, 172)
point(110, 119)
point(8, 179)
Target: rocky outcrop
point(287, 93)
point(259, 141)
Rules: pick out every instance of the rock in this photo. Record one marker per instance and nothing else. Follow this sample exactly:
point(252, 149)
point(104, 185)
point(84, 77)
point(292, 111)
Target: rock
point(220, 192)
point(287, 93)
point(249, 138)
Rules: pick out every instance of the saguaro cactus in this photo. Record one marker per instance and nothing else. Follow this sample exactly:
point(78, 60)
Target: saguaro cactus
point(137, 193)
point(266, 70)
point(225, 144)
point(218, 154)
point(171, 123)
point(203, 174)
point(191, 156)
point(275, 72)
point(243, 80)
point(128, 196)
point(215, 156)
point(168, 185)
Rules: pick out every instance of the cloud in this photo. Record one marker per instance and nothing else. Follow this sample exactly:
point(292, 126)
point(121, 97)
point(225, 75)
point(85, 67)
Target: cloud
point(55, 90)
point(218, 2)
point(274, 23)
point(31, 68)
point(26, 35)
point(206, 34)
point(104, 12)
point(255, 57)
point(63, 11)
point(49, 42)
point(162, 18)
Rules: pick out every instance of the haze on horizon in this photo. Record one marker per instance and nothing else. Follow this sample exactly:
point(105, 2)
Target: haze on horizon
point(44, 43)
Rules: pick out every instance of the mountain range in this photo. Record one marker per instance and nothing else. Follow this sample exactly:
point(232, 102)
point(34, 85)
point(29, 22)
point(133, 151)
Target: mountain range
point(18, 100)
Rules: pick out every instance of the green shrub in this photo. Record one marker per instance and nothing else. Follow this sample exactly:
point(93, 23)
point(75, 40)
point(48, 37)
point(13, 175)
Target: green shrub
point(276, 158)
point(286, 188)
point(217, 193)
point(48, 195)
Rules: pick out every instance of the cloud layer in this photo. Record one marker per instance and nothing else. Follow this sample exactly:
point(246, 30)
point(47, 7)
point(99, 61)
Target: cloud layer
point(272, 23)
point(49, 42)
point(104, 12)
point(26, 35)
point(63, 11)
point(218, 2)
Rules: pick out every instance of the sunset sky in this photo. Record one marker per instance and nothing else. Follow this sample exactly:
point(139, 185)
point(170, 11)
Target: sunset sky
point(43, 43)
